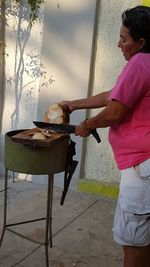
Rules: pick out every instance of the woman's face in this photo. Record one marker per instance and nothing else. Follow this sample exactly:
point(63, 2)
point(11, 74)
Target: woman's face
point(128, 46)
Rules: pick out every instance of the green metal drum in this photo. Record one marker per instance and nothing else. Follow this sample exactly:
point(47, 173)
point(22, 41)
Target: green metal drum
point(35, 160)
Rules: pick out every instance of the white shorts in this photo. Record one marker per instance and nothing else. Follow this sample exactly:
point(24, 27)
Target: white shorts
point(132, 217)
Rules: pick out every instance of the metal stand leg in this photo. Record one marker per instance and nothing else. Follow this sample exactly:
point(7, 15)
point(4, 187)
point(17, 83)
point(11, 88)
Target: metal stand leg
point(13, 176)
point(51, 179)
point(5, 206)
point(48, 232)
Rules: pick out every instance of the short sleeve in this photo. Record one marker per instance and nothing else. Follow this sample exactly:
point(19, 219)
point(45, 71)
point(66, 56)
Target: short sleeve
point(130, 85)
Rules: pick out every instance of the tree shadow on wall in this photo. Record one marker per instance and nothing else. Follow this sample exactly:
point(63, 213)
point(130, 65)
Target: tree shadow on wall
point(26, 66)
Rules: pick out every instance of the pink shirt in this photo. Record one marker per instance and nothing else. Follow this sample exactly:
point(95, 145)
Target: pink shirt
point(130, 139)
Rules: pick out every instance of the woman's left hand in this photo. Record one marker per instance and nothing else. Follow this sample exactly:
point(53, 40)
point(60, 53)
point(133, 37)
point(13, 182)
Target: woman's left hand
point(82, 130)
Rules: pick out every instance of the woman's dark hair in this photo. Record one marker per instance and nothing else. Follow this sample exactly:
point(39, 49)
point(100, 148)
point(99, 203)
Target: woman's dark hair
point(137, 20)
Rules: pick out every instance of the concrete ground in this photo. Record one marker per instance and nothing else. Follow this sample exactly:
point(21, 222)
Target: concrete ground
point(82, 229)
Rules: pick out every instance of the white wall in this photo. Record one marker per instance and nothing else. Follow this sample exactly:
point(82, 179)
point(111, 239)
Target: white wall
point(66, 55)
point(23, 46)
point(99, 160)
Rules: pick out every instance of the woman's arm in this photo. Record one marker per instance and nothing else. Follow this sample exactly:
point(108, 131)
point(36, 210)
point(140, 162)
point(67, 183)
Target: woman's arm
point(97, 101)
point(114, 113)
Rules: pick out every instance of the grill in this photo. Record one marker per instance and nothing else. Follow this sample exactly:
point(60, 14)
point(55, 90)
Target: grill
point(38, 157)
point(25, 155)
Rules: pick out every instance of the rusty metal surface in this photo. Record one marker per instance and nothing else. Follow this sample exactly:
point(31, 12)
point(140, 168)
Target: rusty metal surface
point(32, 158)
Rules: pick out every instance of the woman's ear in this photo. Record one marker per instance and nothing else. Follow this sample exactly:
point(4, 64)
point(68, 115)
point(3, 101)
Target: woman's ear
point(141, 43)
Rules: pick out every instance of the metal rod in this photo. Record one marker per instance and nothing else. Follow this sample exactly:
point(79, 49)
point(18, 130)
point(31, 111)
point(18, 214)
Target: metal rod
point(25, 237)
point(5, 206)
point(2, 235)
point(46, 255)
point(2, 57)
point(47, 212)
point(49, 217)
point(5, 197)
point(3, 190)
point(29, 221)
point(13, 176)
point(51, 178)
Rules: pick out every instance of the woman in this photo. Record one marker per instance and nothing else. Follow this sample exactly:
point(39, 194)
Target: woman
point(127, 113)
